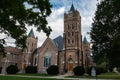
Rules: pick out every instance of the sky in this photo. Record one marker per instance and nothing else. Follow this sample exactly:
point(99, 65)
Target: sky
point(86, 9)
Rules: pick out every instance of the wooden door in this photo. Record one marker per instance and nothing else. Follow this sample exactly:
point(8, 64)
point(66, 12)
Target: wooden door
point(70, 66)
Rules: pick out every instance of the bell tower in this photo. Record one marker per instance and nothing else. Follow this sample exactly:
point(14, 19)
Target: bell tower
point(31, 43)
point(72, 39)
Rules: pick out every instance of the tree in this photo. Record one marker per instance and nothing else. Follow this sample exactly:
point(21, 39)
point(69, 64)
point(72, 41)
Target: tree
point(114, 56)
point(15, 14)
point(105, 29)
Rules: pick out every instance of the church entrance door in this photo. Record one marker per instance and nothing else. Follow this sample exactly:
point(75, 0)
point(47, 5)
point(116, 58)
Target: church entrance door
point(70, 63)
point(70, 66)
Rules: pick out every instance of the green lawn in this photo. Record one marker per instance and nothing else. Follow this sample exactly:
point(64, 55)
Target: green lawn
point(23, 78)
point(102, 76)
point(109, 75)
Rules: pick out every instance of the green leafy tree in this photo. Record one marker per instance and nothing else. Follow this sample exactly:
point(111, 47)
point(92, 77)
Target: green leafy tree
point(114, 56)
point(105, 29)
point(15, 14)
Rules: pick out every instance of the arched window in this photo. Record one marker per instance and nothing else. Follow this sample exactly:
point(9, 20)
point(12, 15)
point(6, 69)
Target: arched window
point(72, 26)
point(35, 61)
point(72, 41)
point(68, 27)
point(47, 59)
point(68, 34)
point(68, 41)
point(72, 33)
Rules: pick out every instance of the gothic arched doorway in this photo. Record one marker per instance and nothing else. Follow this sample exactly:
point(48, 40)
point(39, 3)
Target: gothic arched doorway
point(70, 64)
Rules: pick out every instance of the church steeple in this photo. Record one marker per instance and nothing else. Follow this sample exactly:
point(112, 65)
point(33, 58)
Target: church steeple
point(72, 9)
point(31, 34)
point(72, 37)
point(85, 40)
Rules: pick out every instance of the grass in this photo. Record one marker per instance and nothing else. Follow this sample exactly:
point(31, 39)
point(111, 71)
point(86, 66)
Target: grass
point(23, 78)
point(110, 75)
point(102, 76)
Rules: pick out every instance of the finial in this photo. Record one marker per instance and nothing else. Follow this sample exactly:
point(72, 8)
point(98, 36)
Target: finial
point(72, 1)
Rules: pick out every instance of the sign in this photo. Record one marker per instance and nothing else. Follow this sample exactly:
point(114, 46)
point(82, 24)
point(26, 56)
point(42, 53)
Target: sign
point(93, 72)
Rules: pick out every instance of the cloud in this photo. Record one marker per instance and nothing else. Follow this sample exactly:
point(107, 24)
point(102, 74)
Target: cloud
point(87, 9)
point(2, 35)
point(56, 3)
point(55, 20)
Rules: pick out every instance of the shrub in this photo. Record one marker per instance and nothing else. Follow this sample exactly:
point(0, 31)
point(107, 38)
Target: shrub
point(53, 70)
point(79, 70)
point(0, 69)
point(102, 70)
point(98, 71)
point(12, 69)
point(31, 69)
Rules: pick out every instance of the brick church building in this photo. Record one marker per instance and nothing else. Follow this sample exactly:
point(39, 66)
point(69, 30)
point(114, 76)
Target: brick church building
point(66, 52)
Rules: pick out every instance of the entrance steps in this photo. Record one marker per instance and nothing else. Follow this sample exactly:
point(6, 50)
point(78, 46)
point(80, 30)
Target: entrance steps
point(69, 73)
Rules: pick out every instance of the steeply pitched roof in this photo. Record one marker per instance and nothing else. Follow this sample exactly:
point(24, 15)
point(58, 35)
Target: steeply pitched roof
point(47, 42)
point(85, 40)
point(72, 9)
point(59, 42)
point(31, 34)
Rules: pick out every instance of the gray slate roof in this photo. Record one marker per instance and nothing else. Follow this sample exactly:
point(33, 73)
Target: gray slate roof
point(31, 34)
point(59, 42)
point(72, 9)
point(85, 40)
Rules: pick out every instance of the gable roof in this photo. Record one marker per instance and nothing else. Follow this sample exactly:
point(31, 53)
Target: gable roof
point(31, 34)
point(59, 42)
point(50, 41)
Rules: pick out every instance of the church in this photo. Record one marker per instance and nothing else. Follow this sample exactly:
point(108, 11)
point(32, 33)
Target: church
point(66, 52)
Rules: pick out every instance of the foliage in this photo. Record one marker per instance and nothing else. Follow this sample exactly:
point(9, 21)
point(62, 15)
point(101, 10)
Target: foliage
point(53, 70)
point(0, 69)
point(114, 56)
point(105, 29)
point(31, 69)
point(12, 69)
point(79, 70)
point(16, 14)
